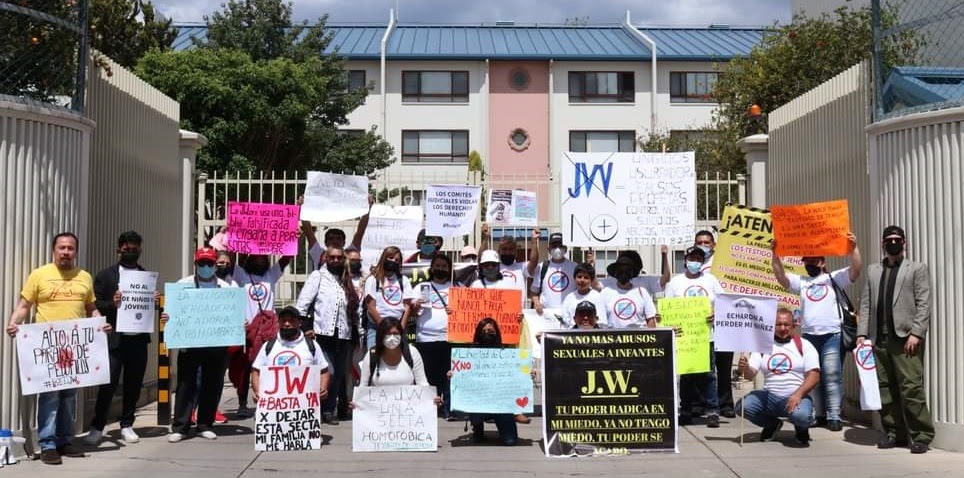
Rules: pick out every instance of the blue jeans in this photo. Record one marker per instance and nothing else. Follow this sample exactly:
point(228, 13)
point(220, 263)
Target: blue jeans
point(55, 418)
point(504, 422)
point(764, 409)
point(831, 375)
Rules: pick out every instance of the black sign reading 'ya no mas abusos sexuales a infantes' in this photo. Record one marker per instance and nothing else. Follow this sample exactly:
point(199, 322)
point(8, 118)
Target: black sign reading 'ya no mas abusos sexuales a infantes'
point(609, 392)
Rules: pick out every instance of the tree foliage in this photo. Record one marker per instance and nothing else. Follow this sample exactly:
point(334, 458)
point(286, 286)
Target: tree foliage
point(117, 32)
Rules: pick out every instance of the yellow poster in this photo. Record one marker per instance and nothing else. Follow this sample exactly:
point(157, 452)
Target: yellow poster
point(690, 315)
point(741, 259)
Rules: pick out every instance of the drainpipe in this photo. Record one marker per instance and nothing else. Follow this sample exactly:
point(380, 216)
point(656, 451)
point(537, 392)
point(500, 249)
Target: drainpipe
point(392, 21)
point(628, 26)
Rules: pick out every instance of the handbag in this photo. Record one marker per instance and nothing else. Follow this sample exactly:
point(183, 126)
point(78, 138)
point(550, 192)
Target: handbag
point(848, 318)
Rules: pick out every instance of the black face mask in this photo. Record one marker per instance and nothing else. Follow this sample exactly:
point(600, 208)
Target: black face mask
point(129, 258)
point(335, 269)
point(491, 273)
point(778, 340)
point(223, 271)
point(256, 269)
point(489, 339)
point(894, 248)
point(354, 267)
point(441, 274)
point(507, 259)
point(624, 277)
point(289, 334)
point(812, 270)
point(391, 267)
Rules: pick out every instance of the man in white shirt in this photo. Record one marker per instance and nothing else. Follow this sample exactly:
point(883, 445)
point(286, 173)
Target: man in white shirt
point(289, 349)
point(627, 304)
point(554, 279)
point(790, 371)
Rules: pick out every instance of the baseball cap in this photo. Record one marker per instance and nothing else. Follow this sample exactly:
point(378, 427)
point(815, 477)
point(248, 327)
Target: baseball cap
point(695, 251)
point(468, 251)
point(205, 253)
point(892, 230)
point(289, 311)
point(489, 256)
point(586, 307)
point(555, 238)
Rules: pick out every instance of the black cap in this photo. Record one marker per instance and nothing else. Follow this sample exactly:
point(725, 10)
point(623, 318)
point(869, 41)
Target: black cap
point(695, 251)
point(586, 306)
point(891, 230)
point(622, 262)
point(555, 238)
point(289, 311)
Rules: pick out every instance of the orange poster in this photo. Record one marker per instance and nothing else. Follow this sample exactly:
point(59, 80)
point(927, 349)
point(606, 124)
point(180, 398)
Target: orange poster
point(815, 229)
point(469, 306)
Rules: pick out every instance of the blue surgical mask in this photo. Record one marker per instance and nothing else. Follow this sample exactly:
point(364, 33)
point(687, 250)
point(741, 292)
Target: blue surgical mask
point(706, 250)
point(427, 249)
point(205, 272)
point(693, 267)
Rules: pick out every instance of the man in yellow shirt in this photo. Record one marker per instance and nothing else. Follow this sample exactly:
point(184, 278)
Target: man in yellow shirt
point(61, 291)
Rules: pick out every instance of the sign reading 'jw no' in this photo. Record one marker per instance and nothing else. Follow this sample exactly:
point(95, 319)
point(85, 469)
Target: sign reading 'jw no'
point(628, 199)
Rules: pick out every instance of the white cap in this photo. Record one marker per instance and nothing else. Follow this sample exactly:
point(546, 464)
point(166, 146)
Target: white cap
point(489, 255)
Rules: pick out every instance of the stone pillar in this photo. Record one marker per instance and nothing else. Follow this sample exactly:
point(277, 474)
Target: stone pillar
point(757, 150)
point(190, 143)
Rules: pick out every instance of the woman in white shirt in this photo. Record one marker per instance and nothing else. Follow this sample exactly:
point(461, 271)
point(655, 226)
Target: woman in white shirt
point(431, 326)
point(388, 293)
point(392, 361)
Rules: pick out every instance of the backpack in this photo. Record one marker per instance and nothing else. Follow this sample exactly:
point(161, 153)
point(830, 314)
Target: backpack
point(537, 288)
point(373, 363)
point(263, 327)
point(270, 344)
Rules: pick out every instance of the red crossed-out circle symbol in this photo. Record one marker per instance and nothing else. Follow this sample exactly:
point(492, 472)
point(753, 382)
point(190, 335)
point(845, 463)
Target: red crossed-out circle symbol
point(779, 364)
point(625, 309)
point(288, 358)
point(439, 299)
point(864, 356)
point(392, 294)
point(507, 274)
point(817, 292)
point(558, 281)
point(258, 292)
point(695, 291)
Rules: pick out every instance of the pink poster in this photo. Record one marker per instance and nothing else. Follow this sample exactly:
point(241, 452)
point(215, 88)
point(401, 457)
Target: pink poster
point(260, 228)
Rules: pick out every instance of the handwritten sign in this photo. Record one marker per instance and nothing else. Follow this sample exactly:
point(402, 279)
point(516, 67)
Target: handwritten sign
point(744, 323)
point(391, 226)
point(469, 306)
point(334, 197)
point(609, 392)
point(204, 317)
point(398, 418)
point(815, 229)
point(259, 228)
point(690, 315)
point(289, 409)
point(62, 355)
point(507, 207)
point(491, 380)
point(742, 256)
point(451, 210)
point(628, 199)
point(136, 311)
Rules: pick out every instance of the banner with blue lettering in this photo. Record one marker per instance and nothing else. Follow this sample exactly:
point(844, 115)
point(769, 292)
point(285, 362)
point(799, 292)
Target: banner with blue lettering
point(204, 317)
point(491, 380)
point(628, 199)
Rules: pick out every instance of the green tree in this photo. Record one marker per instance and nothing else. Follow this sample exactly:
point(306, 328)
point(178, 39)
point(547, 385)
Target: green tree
point(263, 28)
point(117, 32)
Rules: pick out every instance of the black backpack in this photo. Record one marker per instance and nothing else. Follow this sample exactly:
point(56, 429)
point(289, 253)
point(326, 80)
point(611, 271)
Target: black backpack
point(542, 277)
point(373, 363)
point(270, 344)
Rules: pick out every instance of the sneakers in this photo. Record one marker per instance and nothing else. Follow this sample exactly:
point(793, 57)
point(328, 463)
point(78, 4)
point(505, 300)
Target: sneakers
point(243, 412)
point(802, 437)
point(478, 433)
point(93, 437)
point(768, 432)
point(129, 436)
point(329, 418)
point(220, 418)
point(208, 434)
point(713, 421)
point(71, 451)
point(174, 437)
point(50, 457)
point(834, 425)
point(918, 448)
point(728, 413)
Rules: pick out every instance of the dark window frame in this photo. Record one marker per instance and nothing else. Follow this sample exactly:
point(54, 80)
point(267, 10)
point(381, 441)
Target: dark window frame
point(627, 90)
point(622, 135)
point(417, 157)
point(419, 97)
point(678, 88)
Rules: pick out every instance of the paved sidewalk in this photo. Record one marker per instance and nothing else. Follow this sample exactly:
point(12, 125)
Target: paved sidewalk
point(704, 452)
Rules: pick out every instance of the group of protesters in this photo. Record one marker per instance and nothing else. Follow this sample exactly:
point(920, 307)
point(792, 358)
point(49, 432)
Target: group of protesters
point(354, 322)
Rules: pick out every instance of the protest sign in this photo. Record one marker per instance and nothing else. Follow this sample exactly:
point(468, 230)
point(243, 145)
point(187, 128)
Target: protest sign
point(469, 306)
point(418, 272)
point(451, 210)
point(334, 197)
point(396, 418)
point(628, 199)
point(259, 228)
point(535, 324)
point(741, 261)
point(491, 380)
point(288, 417)
point(690, 315)
point(62, 355)
point(203, 317)
point(815, 229)
point(744, 323)
point(391, 226)
point(866, 363)
point(136, 311)
point(609, 392)
point(507, 207)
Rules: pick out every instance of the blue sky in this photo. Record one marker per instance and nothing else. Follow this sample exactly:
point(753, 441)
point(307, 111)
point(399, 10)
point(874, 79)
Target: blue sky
point(651, 12)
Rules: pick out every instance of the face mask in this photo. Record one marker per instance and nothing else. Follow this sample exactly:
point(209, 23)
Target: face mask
point(693, 267)
point(491, 273)
point(441, 274)
point(624, 277)
point(894, 248)
point(557, 254)
point(507, 259)
point(427, 249)
point(489, 338)
point(391, 267)
point(391, 342)
point(223, 271)
point(256, 270)
point(336, 269)
point(354, 267)
point(205, 272)
point(288, 334)
point(129, 258)
point(812, 270)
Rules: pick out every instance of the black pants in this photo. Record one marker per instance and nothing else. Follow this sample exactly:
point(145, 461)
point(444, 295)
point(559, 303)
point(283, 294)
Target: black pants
point(724, 374)
point(245, 385)
point(211, 362)
point(130, 359)
point(437, 360)
point(337, 352)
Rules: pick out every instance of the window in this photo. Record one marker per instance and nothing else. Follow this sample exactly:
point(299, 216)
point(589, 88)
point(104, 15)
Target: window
point(435, 146)
point(356, 80)
point(435, 86)
point(602, 141)
point(601, 87)
point(692, 87)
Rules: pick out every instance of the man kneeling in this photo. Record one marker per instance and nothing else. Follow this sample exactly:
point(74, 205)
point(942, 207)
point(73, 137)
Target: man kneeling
point(790, 372)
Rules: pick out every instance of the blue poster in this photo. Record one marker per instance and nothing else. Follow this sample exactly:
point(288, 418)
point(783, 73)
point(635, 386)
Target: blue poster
point(203, 317)
point(490, 380)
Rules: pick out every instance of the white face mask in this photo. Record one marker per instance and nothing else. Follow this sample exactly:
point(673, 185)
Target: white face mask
point(557, 253)
point(392, 341)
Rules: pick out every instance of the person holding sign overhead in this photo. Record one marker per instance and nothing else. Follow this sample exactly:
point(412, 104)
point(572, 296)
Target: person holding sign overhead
point(584, 274)
point(289, 349)
point(821, 320)
point(61, 291)
point(552, 281)
point(431, 326)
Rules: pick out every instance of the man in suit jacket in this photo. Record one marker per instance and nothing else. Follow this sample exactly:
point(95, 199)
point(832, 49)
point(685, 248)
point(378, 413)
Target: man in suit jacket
point(895, 312)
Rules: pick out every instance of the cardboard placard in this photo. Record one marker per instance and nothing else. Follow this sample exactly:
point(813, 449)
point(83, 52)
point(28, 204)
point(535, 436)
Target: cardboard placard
point(395, 418)
point(204, 317)
point(491, 380)
point(334, 197)
point(62, 355)
point(469, 306)
point(693, 346)
point(288, 415)
point(136, 311)
point(744, 323)
point(815, 229)
point(260, 228)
